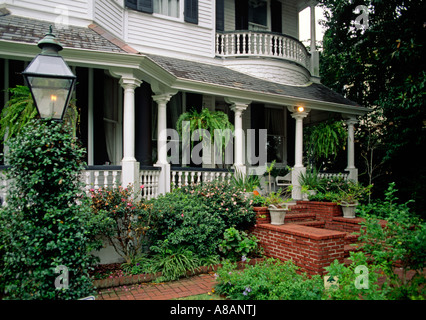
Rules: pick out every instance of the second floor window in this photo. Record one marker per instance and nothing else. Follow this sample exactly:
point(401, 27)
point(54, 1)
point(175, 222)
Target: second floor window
point(169, 8)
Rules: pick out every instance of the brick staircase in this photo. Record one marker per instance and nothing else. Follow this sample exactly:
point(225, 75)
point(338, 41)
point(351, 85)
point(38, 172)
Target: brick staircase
point(300, 214)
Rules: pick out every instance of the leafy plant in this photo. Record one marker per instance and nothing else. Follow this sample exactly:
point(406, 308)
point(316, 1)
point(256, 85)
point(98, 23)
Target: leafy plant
point(237, 244)
point(271, 279)
point(245, 182)
point(210, 121)
point(353, 192)
point(400, 243)
point(129, 219)
point(274, 198)
point(46, 223)
point(325, 140)
point(309, 179)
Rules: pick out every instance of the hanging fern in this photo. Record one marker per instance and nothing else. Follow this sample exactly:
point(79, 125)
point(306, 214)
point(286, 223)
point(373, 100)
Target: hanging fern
point(17, 113)
point(20, 110)
point(325, 140)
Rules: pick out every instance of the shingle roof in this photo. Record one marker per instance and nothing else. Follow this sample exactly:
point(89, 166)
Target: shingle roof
point(14, 28)
point(223, 76)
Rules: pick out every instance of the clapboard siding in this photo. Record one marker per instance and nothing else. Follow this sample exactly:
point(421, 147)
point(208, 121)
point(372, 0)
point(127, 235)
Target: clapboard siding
point(109, 14)
point(290, 18)
point(151, 33)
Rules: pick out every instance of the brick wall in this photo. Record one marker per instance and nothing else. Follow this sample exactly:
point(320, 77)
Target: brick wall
point(311, 249)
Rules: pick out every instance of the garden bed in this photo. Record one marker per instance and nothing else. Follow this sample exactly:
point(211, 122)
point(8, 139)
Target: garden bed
point(114, 276)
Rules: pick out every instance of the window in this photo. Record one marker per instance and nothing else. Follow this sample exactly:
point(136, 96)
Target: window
point(258, 14)
point(274, 123)
point(169, 8)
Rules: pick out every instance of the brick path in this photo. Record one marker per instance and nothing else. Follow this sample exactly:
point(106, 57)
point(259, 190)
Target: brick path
point(185, 287)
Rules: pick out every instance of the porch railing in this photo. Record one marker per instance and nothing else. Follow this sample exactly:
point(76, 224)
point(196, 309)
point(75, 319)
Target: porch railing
point(335, 175)
point(181, 176)
point(95, 177)
point(149, 179)
point(264, 44)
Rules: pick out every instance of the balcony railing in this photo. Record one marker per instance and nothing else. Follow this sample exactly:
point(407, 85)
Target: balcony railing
point(261, 44)
point(190, 176)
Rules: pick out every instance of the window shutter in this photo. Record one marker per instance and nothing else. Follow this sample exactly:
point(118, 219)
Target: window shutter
point(241, 15)
point(276, 16)
point(220, 15)
point(145, 6)
point(133, 4)
point(191, 11)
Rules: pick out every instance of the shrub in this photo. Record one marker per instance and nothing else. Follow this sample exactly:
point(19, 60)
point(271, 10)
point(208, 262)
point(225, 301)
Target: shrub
point(271, 279)
point(197, 216)
point(46, 223)
point(237, 244)
point(129, 219)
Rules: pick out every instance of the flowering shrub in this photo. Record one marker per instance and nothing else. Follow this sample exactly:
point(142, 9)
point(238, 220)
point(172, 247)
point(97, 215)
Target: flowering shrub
point(197, 216)
point(237, 244)
point(129, 219)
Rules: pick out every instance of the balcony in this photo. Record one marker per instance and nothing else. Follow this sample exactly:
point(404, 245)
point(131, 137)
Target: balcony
point(262, 44)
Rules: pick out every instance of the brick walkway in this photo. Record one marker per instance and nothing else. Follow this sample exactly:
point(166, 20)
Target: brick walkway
point(185, 287)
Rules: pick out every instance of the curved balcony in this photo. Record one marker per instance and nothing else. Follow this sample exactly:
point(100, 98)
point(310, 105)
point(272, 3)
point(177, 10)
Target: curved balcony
point(261, 44)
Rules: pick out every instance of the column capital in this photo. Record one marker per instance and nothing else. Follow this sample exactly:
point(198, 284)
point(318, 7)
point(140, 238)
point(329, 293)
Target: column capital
point(350, 120)
point(238, 104)
point(299, 112)
point(163, 97)
point(130, 83)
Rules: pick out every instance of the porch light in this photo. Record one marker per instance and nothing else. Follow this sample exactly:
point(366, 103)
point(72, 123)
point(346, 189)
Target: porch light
point(300, 109)
point(50, 80)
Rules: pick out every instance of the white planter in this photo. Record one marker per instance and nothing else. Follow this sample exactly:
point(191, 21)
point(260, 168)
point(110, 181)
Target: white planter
point(307, 194)
point(348, 209)
point(277, 214)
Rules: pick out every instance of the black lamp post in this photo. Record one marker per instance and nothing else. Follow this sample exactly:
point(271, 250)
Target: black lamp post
point(50, 80)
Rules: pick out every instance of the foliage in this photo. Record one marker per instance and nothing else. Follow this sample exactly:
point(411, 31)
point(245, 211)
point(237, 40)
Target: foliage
point(197, 216)
point(237, 244)
point(129, 219)
point(175, 262)
point(46, 222)
point(324, 140)
point(401, 242)
point(20, 110)
point(382, 67)
point(271, 279)
point(351, 283)
point(209, 121)
point(245, 182)
point(274, 198)
point(309, 179)
point(258, 201)
point(353, 192)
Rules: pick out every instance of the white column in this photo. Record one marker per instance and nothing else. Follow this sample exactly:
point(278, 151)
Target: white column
point(314, 52)
point(130, 167)
point(90, 125)
point(353, 171)
point(238, 107)
point(298, 113)
point(164, 178)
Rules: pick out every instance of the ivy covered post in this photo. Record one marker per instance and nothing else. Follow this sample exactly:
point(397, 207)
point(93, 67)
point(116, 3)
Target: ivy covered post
point(45, 227)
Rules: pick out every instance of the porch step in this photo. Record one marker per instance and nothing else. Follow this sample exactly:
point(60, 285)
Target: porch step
point(297, 217)
point(313, 223)
point(298, 208)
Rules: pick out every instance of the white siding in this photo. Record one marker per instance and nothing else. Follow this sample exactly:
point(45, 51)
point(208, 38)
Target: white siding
point(109, 15)
point(76, 12)
point(290, 18)
point(162, 35)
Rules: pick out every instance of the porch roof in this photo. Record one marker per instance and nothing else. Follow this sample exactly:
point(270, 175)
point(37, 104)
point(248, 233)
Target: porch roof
point(222, 76)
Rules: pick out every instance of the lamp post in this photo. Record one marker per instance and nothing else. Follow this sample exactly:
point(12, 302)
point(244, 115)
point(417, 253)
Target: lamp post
point(50, 80)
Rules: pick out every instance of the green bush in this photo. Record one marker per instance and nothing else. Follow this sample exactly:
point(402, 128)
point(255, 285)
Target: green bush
point(271, 279)
point(127, 220)
point(237, 244)
point(46, 222)
point(197, 216)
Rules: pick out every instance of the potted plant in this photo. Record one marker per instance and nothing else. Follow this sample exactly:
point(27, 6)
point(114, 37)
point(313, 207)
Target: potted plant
point(247, 183)
point(349, 196)
point(277, 206)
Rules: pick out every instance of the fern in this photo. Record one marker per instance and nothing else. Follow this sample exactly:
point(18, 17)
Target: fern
point(17, 113)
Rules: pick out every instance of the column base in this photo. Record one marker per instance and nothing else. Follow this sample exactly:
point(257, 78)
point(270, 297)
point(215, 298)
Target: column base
point(296, 192)
point(164, 178)
point(130, 173)
point(353, 174)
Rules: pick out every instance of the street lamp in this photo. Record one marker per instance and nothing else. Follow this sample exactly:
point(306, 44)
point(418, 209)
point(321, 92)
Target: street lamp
point(50, 80)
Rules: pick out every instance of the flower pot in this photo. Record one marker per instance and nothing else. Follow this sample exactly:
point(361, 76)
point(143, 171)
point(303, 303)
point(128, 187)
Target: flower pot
point(348, 209)
point(307, 194)
point(277, 214)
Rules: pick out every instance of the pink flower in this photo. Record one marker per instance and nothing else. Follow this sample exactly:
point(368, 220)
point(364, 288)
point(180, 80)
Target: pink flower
point(92, 190)
point(182, 215)
point(142, 186)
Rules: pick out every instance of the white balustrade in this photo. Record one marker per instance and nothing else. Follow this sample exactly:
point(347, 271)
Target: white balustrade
point(102, 177)
point(149, 180)
point(181, 177)
point(249, 43)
